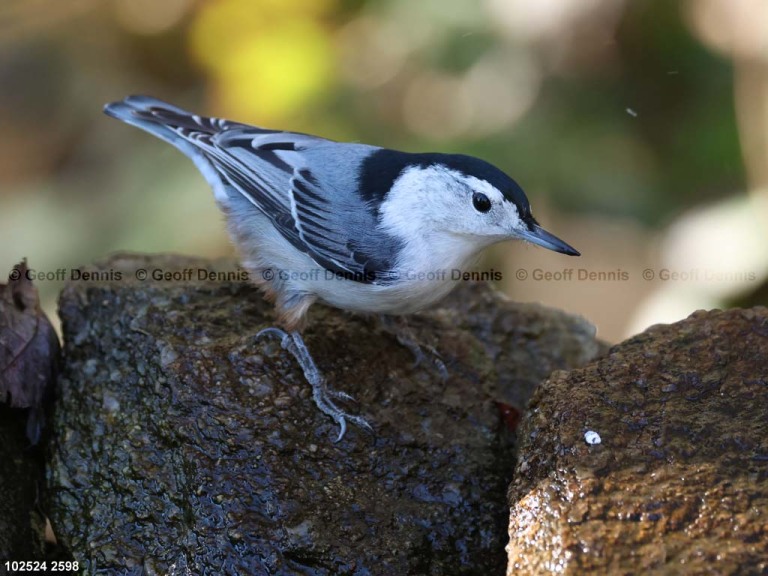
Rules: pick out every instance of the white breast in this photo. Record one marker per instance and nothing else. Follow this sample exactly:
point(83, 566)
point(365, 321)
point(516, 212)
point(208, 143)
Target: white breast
point(428, 266)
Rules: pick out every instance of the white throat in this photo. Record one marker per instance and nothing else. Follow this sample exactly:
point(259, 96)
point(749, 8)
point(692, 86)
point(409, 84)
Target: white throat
point(408, 214)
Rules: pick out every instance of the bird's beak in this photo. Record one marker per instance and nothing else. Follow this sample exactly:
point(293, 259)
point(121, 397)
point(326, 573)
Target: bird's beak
point(543, 238)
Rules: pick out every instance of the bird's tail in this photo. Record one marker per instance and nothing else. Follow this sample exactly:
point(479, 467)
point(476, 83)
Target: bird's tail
point(188, 132)
point(164, 120)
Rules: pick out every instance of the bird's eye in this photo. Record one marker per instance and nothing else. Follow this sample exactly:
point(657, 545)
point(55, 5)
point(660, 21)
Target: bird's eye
point(481, 202)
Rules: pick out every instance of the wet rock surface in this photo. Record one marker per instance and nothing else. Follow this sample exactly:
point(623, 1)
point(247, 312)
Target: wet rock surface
point(678, 483)
point(182, 444)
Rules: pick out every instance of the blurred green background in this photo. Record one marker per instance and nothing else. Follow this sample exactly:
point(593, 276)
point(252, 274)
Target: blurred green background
point(639, 129)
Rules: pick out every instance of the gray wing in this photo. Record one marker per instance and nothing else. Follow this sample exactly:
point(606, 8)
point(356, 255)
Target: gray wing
point(286, 176)
point(337, 224)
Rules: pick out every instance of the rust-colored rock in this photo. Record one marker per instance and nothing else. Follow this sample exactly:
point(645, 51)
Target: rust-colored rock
point(679, 481)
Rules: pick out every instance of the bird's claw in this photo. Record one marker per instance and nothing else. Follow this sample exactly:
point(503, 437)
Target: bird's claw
point(339, 395)
point(321, 393)
point(406, 338)
point(433, 358)
point(342, 422)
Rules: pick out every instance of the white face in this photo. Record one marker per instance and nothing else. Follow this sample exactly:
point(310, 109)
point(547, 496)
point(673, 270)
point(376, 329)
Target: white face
point(438, 200)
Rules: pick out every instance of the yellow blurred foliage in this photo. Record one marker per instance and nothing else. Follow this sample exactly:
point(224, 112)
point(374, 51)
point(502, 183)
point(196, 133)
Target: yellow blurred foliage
point(267, 58)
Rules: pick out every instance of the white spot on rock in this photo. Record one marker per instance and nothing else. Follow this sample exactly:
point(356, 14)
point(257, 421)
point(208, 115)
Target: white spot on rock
point(592, 438)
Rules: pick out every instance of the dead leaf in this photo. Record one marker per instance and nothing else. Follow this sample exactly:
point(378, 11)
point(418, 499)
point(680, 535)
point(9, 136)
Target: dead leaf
point(29, 346)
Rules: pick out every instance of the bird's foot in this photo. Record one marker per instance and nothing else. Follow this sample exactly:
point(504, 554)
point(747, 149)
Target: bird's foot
point(321, 393)
point(405, 336)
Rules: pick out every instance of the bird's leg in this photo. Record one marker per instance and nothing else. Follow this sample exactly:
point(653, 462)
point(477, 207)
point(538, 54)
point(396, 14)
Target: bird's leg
point(322, 394)
point(405, 336)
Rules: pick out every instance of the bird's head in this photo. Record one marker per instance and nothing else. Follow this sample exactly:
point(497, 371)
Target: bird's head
point(465, 197)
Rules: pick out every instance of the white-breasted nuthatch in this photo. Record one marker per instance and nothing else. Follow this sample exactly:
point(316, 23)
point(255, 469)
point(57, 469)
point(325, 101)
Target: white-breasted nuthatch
point(357, 227)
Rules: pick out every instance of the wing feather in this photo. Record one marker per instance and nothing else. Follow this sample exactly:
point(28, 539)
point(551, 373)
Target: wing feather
point(268, 168)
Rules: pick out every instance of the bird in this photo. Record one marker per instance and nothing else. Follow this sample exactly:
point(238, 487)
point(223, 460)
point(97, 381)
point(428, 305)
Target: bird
point(357, 227)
